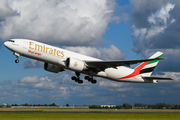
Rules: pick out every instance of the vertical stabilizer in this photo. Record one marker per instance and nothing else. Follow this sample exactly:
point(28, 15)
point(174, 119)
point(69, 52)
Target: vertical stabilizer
point(148, 67)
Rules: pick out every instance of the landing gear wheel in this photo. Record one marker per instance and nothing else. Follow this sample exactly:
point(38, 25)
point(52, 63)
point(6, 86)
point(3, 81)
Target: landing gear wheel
point(17, 61)
point(86, 77)
point(77, 79)
point(80, 81)
point(73, 78)
point(93, 81)
point(90, 79)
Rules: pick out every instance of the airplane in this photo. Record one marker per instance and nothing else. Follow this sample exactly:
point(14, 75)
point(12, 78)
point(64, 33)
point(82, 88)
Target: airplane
point(58, 60)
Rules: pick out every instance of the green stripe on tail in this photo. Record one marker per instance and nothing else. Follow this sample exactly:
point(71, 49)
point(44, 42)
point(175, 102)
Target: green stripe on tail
point(153, 61)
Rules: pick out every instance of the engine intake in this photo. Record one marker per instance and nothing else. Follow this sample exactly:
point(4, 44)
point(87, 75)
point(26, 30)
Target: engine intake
point(52, 68)
point(75, 64)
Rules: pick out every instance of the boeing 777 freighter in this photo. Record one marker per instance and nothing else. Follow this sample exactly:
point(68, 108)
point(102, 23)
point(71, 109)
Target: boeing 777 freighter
point(57, 60)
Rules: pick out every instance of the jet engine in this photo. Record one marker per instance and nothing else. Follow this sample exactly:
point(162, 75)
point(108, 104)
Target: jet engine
point(75, 64)
point(52, 68)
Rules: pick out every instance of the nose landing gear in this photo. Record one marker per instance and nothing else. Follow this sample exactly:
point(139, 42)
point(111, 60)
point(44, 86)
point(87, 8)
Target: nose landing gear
point(16, 61)
point(17, 56)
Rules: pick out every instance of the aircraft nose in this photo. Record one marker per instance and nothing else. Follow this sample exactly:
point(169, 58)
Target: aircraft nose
point(5, 44)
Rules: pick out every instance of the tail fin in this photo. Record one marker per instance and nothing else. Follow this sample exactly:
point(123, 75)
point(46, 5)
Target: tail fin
point(148, 67)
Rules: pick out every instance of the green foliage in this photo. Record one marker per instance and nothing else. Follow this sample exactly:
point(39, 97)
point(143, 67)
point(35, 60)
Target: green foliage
point(53, 104)
point(119, 107)
point(26, 104)
point(127, 106)
point(95, 107)
point(14, 105)
point(157, 106)
point(67, 105)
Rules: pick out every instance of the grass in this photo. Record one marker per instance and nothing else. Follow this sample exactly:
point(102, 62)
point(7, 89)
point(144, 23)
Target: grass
point(89, 110)
point(89, 116)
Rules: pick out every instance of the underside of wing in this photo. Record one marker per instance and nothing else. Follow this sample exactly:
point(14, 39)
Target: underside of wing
point(101, 65)
point(157, 78)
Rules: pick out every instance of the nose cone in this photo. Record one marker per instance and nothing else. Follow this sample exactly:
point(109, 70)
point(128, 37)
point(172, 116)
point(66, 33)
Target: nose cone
point(5, 44)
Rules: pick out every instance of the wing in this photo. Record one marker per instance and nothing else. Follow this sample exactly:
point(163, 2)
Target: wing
point(157, 78)
point(102, 65)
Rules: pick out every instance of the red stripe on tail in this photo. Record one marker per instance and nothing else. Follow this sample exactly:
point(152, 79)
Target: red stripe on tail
point(136, 71)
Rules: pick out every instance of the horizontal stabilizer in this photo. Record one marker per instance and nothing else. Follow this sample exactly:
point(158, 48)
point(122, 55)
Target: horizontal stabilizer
point(157, 78)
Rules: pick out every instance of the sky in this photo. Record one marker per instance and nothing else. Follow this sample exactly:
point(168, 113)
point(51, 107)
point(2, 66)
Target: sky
point(105, 29)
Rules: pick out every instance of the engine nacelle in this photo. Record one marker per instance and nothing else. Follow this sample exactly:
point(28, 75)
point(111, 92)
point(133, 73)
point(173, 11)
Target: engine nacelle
point(52, 68)
point(75, 64)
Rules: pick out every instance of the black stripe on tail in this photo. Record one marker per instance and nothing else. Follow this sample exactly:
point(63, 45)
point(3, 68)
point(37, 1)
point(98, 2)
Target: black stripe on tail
point(147, 70)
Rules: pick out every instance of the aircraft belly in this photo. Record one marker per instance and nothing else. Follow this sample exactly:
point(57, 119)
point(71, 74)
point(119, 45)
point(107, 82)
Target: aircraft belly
point(115, 74)
point(131, 80)
point(118, 73)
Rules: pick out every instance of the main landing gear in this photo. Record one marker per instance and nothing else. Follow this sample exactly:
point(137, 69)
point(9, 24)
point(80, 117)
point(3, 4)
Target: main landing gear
point(17, 56)
point(77, 79)
point(89, 78)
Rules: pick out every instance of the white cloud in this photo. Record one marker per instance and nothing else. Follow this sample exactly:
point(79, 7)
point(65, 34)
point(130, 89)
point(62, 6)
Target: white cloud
point(90, 51)
point(158, 22)
point(162, 14)
point(45, 85)
point(105, 91)
point(5, 10)
point(174, 75)
point(33, 64)
point(29, 79)
point(125, 89)
point(39, 85)
point(59, 21)
point(36, 83)
point(110, 84)
point(111, 53)
point(63, 90)
point(67, 78)
point(45, 79)
point(140, 33)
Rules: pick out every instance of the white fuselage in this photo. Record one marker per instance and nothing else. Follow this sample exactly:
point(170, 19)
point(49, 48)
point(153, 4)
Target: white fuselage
point(57, 56)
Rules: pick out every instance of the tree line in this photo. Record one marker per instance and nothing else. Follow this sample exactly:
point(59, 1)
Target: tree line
point(26, 104)
point(157, 106)
point(139, 106)
point(124, 106)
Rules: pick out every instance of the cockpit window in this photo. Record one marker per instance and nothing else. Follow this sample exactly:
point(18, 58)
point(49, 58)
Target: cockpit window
point(11, 40)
